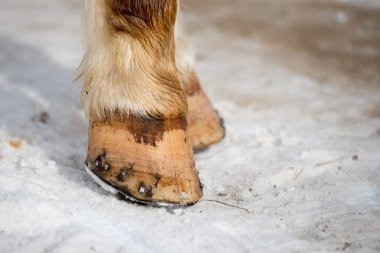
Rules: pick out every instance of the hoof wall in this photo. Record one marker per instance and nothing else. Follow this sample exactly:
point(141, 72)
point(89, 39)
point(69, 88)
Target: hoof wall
point(146, 160)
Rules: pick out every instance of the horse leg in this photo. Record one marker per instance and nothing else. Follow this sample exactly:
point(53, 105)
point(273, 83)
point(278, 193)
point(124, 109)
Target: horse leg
point(205, 125)
point(139, 143)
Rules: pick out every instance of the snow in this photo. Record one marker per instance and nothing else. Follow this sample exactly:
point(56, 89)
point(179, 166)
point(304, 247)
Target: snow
point(301, 154)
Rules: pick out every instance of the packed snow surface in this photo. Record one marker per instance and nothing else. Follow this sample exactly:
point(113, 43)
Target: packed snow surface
point(298, 85)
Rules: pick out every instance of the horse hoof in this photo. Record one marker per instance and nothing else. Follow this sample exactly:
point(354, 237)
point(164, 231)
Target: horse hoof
point(148, 161)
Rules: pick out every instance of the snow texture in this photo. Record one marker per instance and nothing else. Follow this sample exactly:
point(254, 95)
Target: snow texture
point(297, 83)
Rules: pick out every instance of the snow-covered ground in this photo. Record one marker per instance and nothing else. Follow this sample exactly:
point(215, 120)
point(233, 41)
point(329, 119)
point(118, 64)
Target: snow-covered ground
point(298, 84)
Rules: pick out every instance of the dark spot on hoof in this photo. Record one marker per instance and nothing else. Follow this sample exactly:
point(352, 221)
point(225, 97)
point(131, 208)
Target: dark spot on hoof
point(106, 166)
point(122, 174)
point(125, 172)
point(100, 159)
point(101, 163)
point(151, 131)
point(158, 178)
point(145, 190)
point(149, 192)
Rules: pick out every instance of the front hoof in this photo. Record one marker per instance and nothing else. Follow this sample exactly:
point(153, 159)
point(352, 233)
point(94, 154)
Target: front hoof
point(146, 160)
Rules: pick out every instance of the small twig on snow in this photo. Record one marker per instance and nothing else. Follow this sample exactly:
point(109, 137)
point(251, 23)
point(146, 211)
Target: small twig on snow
point(226, 204)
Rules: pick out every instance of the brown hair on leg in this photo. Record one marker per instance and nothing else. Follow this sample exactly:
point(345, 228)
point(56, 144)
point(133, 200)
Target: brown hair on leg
point(130, 62)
